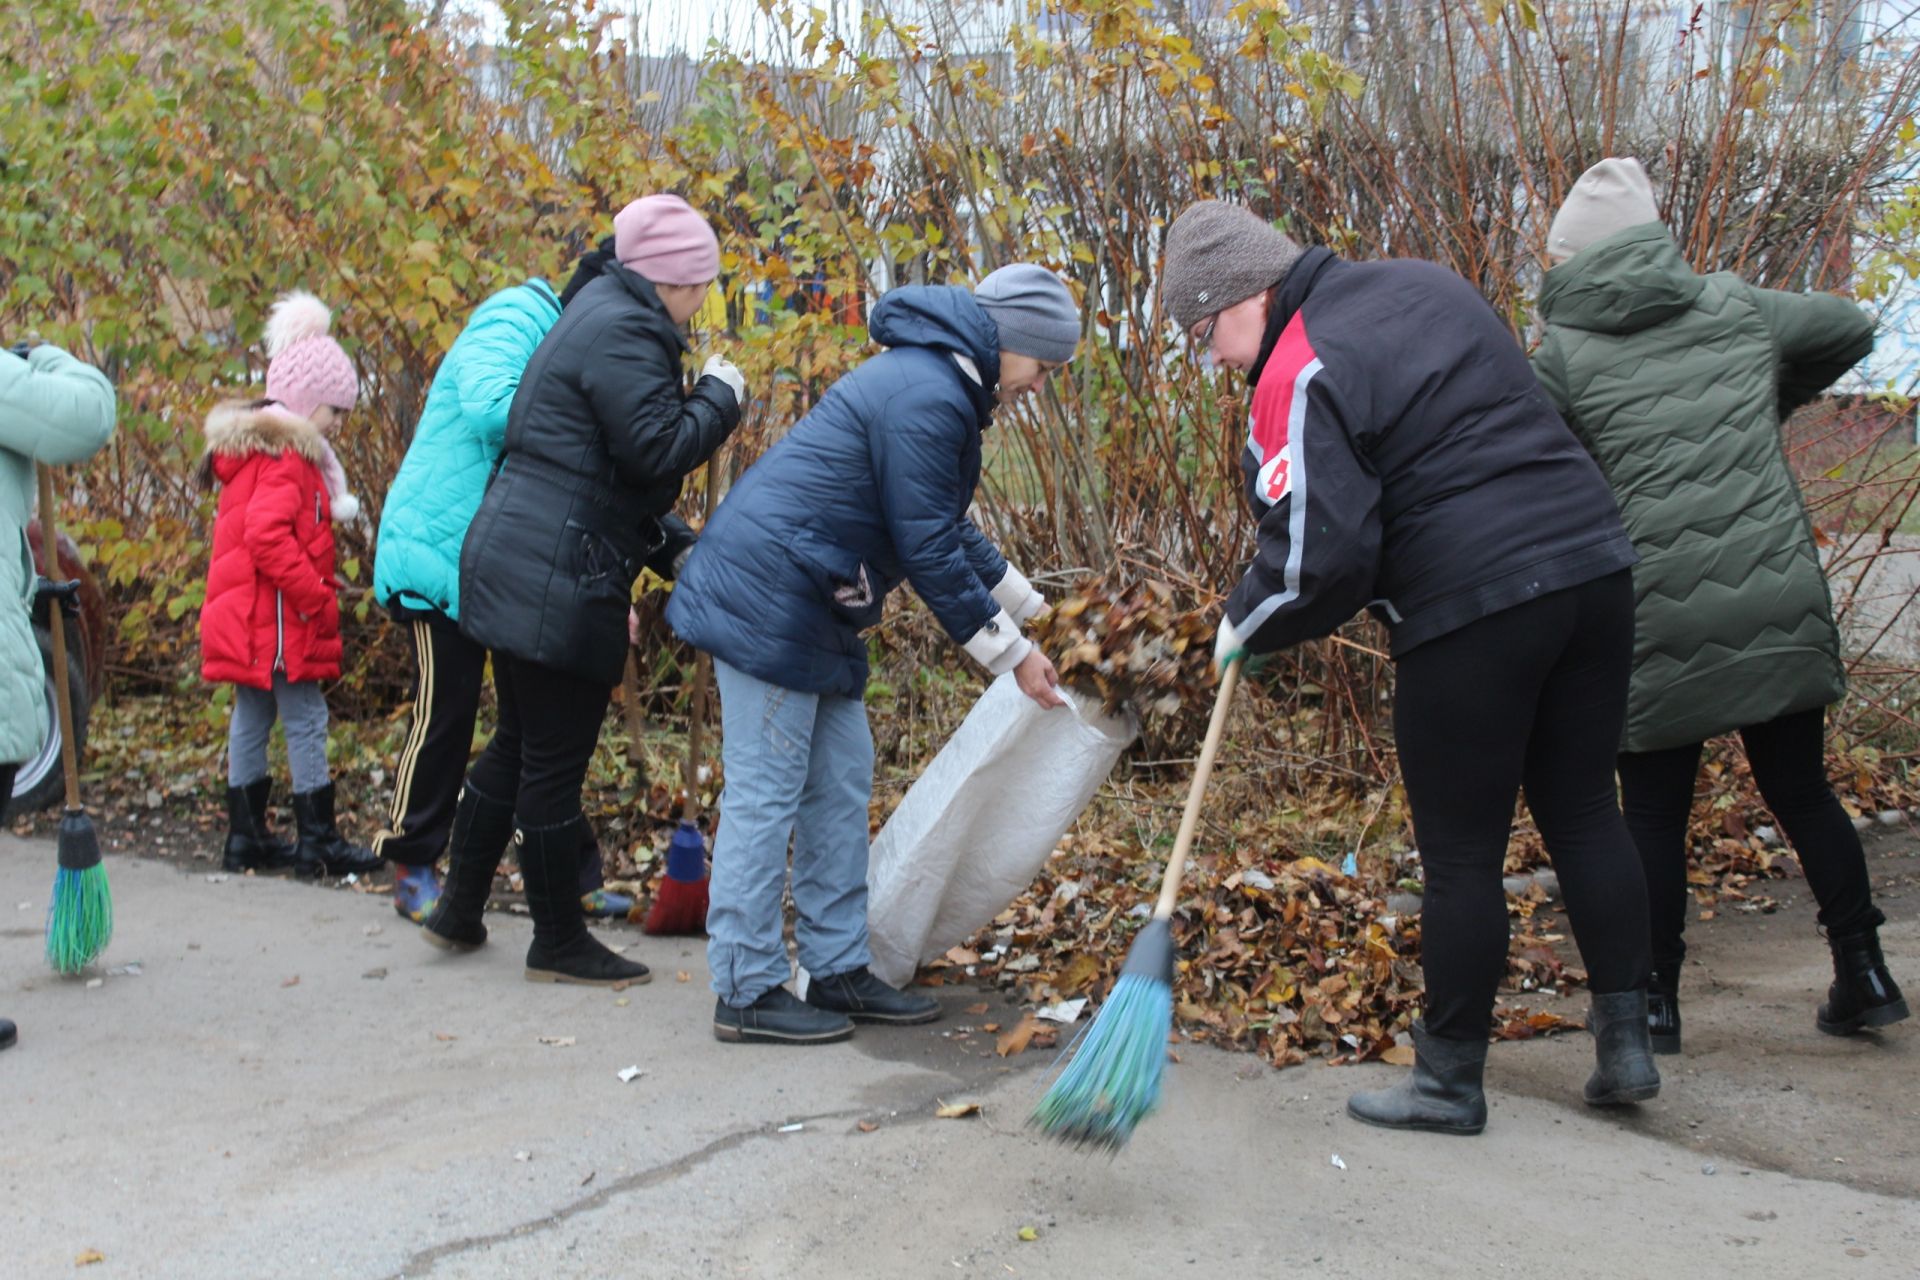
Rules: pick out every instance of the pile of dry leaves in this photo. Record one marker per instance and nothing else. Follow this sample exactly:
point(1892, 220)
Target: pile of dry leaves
point(1137, 645)
point(1285, 957)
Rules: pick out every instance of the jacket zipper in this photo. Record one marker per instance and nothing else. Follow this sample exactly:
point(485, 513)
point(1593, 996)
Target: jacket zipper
point(279, 631)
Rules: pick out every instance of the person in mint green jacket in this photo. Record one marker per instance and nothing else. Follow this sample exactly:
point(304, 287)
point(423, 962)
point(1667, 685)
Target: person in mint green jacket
point(1677, 384)
point(57, 410)
point(416, 573)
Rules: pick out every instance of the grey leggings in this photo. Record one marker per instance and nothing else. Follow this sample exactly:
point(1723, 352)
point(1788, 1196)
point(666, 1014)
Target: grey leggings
point(302, 708)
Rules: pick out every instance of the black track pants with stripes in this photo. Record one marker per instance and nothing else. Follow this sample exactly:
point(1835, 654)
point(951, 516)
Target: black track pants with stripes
point(448, 670)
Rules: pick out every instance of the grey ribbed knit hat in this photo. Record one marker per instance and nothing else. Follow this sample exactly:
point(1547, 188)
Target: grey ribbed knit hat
point(1035, 311)
point(1219, 254)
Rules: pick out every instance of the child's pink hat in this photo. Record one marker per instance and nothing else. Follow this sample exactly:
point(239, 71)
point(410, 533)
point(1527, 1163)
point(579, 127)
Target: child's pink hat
point(305, 367)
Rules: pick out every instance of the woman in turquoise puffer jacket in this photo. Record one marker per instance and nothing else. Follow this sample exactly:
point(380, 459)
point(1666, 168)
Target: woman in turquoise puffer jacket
point(416, 572)
point(53, 409)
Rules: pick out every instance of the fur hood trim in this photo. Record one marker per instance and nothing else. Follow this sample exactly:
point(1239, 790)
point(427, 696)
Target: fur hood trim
point(241, 427)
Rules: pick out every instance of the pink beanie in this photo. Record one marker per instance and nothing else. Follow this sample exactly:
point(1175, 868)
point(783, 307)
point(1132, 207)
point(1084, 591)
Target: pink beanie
point(665, 240)
point(305, 367)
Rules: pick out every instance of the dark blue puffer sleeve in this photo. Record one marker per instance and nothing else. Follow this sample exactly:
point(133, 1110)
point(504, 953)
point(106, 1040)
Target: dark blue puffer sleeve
point(985, 558)
point(917, 444)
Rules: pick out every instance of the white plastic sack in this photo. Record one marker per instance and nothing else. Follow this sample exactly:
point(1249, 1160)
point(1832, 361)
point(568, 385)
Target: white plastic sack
point(978, 825)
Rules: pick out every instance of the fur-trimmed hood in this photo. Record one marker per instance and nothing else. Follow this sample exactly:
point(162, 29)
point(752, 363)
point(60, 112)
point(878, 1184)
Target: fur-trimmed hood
point(239, 429)
point(242, 427)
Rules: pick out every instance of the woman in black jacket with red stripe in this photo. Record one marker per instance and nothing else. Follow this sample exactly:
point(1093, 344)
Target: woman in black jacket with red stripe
point(601, 434)
point(1402, 458)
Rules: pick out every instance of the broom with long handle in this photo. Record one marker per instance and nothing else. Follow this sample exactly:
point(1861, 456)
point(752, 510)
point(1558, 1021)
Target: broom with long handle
point(1112, 1082)
point(680, 905)
point(80, 917)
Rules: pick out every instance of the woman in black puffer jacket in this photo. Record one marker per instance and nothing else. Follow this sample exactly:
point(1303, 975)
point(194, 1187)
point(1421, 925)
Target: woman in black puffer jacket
point(600, 437)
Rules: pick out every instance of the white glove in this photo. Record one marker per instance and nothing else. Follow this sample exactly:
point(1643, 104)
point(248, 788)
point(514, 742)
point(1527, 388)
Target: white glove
point(1227, 644)
point(1017, 596)
point(726, 371)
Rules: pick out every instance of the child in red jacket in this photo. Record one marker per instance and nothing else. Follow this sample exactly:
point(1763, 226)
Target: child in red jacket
point(271, 622)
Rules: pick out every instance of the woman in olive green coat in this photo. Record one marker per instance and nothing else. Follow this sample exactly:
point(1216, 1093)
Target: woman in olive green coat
point(52, 409)
point(1677, 384)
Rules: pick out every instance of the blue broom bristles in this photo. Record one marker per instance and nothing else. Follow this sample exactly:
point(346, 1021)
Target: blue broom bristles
point(79, 919)
point(1113, 1080)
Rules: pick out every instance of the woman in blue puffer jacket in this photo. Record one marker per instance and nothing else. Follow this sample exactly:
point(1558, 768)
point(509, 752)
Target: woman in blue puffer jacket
point(869, 490)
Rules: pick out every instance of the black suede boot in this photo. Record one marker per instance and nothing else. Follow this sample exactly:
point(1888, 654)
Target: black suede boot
point(1663, 1009)
point(1442, 1093)
point(1623, 1051)
point(9, 1034)
point(322, 850)
point(482, 827)
point(779, 1017)
point(562, 949)
point(249, 847)
point(864, 998)
point(1863, 993)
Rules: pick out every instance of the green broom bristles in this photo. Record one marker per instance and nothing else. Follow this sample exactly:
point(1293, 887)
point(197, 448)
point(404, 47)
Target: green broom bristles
point(80, 917)
point(1113, 1081)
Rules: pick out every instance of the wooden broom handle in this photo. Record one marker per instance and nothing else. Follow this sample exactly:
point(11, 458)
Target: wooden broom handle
point(702, 674)
point(56, 623)
point(1190, 820)
point(696, 735)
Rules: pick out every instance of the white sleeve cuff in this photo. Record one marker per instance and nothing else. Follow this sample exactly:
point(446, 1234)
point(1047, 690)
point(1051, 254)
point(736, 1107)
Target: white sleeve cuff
point(998, 646)
point(1016, 595)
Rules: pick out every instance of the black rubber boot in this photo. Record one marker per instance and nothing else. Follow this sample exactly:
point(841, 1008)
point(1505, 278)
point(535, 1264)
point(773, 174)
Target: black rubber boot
point(1623, 1051)
point(322, 850)
point(1442, 1093)
point(9, 1034)
point(249, 846)
point(1663, 1009)
point(482, 826)
point(864, 998)
point(1863, 993)
point(260, 801)
point(562, 949)
point(779, 1017)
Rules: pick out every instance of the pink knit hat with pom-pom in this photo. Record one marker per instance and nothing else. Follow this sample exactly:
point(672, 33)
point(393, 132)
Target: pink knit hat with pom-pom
point(305, 367)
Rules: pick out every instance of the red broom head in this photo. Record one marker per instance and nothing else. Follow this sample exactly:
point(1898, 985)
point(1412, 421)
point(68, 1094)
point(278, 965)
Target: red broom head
point(679, 908)
point(680, 904)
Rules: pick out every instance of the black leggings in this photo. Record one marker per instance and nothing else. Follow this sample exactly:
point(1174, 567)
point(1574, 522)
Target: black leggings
point(549, 725)
point(1789, 764)
point(1533, 696)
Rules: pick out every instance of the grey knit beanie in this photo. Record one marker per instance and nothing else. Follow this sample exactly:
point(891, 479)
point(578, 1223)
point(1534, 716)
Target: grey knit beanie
point(1035, 311)
point(1219, 254)
point(1608, 198)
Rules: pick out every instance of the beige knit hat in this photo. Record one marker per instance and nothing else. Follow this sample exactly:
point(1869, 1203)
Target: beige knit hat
point(1219, 254)
point(1610, 197)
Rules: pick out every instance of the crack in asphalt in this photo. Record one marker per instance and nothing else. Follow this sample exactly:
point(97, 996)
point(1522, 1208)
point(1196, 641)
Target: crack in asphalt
point(426, 1260)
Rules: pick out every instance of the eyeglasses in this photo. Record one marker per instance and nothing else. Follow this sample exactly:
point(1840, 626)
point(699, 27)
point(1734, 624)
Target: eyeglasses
point(1203, 336)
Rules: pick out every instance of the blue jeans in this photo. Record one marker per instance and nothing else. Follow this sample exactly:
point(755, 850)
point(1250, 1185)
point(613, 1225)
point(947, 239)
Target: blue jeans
point(798, 765)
